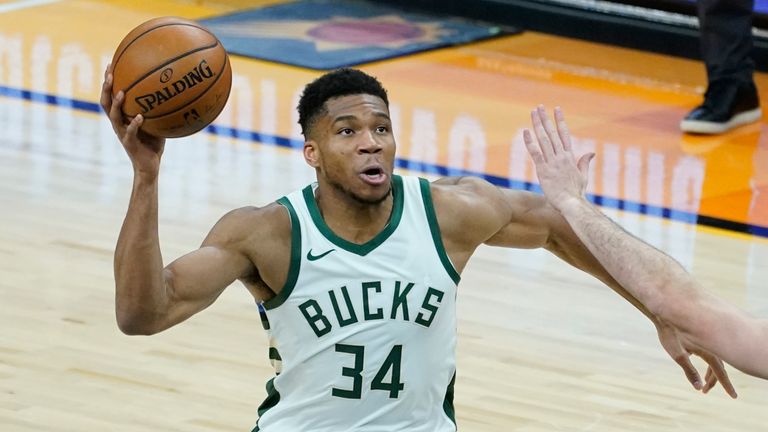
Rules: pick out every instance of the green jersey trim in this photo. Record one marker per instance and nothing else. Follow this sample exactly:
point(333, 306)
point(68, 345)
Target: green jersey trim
point(293, 268)
point(273, 397)
point(434, 228)
point(365, 248)
point(448, 401)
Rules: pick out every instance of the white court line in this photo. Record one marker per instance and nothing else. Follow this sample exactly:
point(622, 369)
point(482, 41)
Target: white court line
point(23, 4)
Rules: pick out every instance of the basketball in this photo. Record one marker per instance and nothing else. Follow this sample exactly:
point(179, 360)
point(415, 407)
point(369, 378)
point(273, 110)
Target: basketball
point(175, 73)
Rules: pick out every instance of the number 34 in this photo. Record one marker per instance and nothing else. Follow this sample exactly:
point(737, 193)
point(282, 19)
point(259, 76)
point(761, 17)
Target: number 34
point(394, 386)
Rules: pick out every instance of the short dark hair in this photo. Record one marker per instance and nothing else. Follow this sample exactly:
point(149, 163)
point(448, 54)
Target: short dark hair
point(341, 82)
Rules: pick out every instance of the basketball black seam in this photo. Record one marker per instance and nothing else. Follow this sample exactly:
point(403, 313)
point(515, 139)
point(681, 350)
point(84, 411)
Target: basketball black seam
point(155, 28)
point(127, 89)
point(193, 100)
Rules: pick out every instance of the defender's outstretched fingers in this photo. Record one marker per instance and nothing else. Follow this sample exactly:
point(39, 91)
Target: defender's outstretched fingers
point(718, 369)
point(533, 149)
point(709, 380)
point(562, 129)
point(554, 138)
point(690, 371)
point(541, 134)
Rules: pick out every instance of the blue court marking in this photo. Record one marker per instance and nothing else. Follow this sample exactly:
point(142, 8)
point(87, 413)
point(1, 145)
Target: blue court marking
point(424, 167)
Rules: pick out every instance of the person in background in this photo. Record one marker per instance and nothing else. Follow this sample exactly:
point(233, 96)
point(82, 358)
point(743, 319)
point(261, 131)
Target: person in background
point(731, 98)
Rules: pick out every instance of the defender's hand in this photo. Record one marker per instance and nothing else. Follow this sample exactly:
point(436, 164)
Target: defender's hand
point(144, 150)
point(680, 349)
point(561, 177)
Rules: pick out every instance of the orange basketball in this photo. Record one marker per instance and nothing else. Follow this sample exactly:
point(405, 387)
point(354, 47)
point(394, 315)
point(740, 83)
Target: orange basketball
point(175, 73)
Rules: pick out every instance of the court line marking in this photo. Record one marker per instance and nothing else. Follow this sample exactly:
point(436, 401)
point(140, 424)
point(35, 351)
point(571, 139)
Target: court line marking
point(24, 4)
point(427, 168)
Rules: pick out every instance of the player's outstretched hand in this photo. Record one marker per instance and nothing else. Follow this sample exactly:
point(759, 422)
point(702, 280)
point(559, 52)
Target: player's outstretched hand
point(680, 349)
point(144, 150)
point(561, 176)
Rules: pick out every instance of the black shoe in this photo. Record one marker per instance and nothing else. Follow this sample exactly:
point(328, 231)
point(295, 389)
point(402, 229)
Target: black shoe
point(725, 106)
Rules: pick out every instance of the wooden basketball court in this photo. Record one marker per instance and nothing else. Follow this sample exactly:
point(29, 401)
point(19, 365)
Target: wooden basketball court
point(542, 347)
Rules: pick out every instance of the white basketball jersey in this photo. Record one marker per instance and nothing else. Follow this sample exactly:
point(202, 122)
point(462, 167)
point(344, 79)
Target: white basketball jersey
point(363, 337)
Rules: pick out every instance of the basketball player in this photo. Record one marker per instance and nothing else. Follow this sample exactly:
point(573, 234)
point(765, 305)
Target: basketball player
point(356, 275)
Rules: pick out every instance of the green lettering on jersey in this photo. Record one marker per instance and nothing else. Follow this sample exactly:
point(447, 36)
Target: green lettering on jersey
point(367, 315)
point(343, 322)
point(432, 308)
point(400, 299)
point(313, 317)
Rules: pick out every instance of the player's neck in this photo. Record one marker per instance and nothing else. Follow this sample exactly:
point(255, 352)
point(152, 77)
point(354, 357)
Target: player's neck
point(351, 219)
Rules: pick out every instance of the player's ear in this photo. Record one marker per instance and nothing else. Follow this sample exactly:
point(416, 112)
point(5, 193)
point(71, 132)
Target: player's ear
point(312, 153)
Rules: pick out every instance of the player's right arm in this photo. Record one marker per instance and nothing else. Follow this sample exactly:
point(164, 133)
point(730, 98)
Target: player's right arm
point(149, 297)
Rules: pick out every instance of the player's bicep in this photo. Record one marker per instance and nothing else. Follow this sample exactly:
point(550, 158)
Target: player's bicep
point(196, 279)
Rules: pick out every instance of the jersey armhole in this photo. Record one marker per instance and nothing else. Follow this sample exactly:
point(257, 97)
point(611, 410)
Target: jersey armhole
point(293, 267)
point(434, 228)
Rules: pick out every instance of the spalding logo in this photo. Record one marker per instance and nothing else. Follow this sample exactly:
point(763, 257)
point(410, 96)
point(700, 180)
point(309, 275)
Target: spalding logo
point(197, 75)
point(166, 75)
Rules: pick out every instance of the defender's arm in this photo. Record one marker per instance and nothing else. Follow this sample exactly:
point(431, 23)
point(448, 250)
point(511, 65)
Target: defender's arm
point(708, 326)
point(671, 293)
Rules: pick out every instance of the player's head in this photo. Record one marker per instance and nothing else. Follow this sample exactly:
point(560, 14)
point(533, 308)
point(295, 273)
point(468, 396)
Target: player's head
point(344, 116)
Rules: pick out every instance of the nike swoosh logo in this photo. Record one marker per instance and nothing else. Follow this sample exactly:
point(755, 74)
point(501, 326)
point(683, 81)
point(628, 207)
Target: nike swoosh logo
point(317, 257)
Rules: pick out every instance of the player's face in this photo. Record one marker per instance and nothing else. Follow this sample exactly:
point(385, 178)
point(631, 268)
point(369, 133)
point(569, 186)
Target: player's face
point(355, 149)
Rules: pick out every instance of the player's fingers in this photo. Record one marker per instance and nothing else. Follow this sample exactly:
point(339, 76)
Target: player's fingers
point(533, 149)
point(116, 110)
point(562, 129)
point(549, 127)
point(710, 379)
point(583, 164)
point(690, 372)
point(106, 93)
point(541, 135)
point(133, 127)
point(718, 369)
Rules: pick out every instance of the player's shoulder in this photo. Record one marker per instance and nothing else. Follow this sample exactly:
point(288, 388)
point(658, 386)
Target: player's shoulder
point(468, 209)
point(465, 200)
point(272, 213)
point(243, 225)
point(476, 191)
point(464, 191)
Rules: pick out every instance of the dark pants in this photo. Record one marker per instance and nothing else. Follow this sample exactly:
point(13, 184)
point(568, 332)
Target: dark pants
point(726, 40)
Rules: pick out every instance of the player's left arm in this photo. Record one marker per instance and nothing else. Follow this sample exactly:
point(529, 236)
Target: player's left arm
point(484, 213)
point(534, 223)
point(472, 211)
